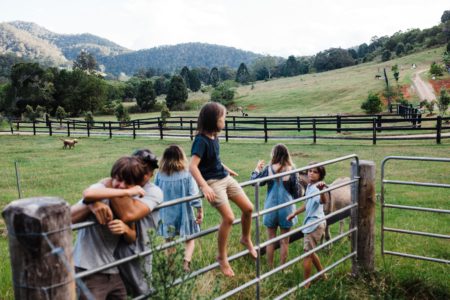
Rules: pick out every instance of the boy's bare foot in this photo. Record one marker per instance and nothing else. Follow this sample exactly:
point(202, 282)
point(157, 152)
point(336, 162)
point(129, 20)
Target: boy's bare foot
point(307, 286)
point(225, 267)
point(323, 277)
point(248, 243)
point(187, 266)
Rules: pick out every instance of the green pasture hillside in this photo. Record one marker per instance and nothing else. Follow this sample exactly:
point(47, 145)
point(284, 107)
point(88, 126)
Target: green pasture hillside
point(338, 91)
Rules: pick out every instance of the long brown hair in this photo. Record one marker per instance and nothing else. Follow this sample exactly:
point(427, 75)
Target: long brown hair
point(208, 116)
point(280, 155)
point(173, 160)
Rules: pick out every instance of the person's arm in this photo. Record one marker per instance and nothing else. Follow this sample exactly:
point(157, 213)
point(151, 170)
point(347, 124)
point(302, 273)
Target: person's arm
point(96, 193)
point(118, 227)
point(295, 186)
point(79, 212)
point(204, 187)
point(231, 172)
point(298, 211)
point(199, 218)
point(323, 197)
point(260, 172)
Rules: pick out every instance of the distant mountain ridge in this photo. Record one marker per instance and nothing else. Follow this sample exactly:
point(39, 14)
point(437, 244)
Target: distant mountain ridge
point(31, 41)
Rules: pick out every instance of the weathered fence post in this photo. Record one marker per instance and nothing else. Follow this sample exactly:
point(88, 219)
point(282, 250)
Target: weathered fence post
point(419, 120)
point(88, 128)
point(110, 130)
point(234, 122)
point(50, 132)
point(181, 122)
point(365, 262)
point(298, 124)
point(12, 129)
point(40, 246)
point(34, 127)
point(134, 130)
point(68, 128)
point(191, 130)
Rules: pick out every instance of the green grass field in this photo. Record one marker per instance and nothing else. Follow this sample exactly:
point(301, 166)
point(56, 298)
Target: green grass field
point(48, 170)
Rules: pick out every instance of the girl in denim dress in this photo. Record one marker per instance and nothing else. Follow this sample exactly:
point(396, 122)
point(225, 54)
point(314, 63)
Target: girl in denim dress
point(279, 191)
point(176, 182)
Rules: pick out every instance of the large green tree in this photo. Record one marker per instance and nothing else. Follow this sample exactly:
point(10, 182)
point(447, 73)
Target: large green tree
point(214, 78)
point(185, 75)
point(78, 92)
point(194, 81)
point(146, 95)
point(243, 75)
point(85, 61)
point(177, 94)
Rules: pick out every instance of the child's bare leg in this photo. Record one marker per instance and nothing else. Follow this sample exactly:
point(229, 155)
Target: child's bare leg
point(307, 266)
point(317, 264)
point(246, 207)
point(271, 232)
point(224, 231)
point(284, 247)
point(189, 249)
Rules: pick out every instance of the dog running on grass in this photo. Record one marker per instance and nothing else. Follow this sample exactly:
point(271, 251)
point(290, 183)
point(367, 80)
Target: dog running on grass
point(69, 143)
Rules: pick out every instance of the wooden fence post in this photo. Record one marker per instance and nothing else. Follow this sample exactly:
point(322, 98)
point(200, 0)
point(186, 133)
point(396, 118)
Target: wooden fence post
point(226, 130)
point(181, 122)
point(191, 130)
point(34, 127)
point(374, 132)
point(134, 130)
point(298, 124)
point(365, 262)
point(265, 130)
point(68, 128)
point(419, 120)
point(160, 126)
point(314, 131)
point(438, 129)
point(234, 122)
point(40, 247)
point(88, 125)
point(338, 123)
point(110, 130)
point(50, 131)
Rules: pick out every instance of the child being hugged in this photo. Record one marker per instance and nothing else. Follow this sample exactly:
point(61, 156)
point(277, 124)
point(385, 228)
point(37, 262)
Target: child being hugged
point(214, 180)
point(176, 182)
point(279, 191)
point(314, 211)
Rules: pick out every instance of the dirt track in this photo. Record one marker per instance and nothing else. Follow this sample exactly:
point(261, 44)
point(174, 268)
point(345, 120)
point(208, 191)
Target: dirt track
point(423, 89)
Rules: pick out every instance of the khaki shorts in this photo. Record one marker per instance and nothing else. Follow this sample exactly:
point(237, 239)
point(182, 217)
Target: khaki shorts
point(224, 188)
point(311, 240)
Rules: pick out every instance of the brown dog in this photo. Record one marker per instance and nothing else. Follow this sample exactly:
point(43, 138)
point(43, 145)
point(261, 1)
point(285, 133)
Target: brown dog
point(69, 143)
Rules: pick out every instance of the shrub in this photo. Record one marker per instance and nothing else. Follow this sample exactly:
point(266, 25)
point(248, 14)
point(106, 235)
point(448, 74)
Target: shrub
point(436, 69)
point(224, 94)
point(372, 105)
point(165, 114)
point(443, 101)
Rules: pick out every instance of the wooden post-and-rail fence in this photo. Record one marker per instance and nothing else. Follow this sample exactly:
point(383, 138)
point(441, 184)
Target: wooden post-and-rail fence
point(266, 127)
point(40, 239)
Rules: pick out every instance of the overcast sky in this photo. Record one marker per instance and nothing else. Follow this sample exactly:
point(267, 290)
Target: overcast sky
point(275, 27)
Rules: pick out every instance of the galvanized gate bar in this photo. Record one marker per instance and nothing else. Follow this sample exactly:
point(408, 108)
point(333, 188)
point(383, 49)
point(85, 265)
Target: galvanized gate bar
point(421, 233)
point(418, 257)
point(406, 207)
point(441, 185)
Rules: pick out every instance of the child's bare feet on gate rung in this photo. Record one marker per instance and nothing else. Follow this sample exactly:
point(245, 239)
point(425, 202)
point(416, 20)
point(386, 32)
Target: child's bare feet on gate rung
point(225, 267)
point(248, 243)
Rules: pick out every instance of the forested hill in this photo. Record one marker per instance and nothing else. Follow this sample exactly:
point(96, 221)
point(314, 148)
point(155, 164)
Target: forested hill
point(170, 58)
point(29, 40)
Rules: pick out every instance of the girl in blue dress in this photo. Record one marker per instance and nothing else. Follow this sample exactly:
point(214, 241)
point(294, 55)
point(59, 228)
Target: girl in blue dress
point(176, 182)
point(279, 191)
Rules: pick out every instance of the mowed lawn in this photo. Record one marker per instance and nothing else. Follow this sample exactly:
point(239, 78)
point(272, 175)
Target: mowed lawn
point(47, 170)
